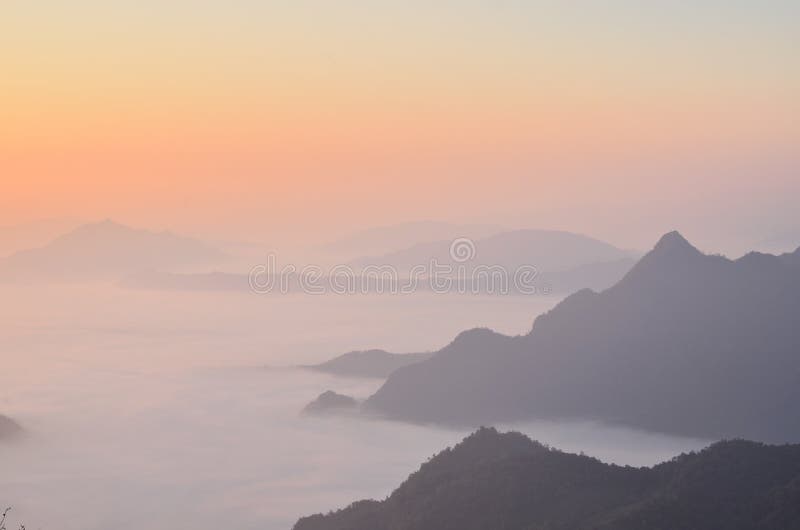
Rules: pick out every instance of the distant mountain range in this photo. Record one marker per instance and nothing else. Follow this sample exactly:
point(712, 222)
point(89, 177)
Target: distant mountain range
point(506, 481)
point(548, 250)
point(105, 251)
point(685, 343)
point(564, 261)
point(384, 239)
point(368, 363)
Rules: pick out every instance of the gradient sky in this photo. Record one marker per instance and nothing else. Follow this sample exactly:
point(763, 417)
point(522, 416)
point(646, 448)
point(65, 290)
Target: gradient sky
point(256, 118)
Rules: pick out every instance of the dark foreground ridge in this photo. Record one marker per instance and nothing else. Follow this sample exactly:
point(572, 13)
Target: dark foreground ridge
point(493, 481)
point(685, 343)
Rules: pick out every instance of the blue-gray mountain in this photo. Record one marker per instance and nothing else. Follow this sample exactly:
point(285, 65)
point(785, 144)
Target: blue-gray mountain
point(685, 343)
point(508, 482)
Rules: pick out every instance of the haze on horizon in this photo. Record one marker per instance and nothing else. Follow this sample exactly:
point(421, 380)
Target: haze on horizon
point(307, 120)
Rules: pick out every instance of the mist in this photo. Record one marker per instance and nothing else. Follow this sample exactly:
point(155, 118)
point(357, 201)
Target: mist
point(182, 409)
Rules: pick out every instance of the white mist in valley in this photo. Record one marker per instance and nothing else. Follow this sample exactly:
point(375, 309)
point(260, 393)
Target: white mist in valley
point(145, 409)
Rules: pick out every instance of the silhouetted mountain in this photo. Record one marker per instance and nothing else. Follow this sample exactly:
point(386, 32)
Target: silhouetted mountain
point(686, 343)
point(105, 251)
point(369, 363)
point(8, 427)
point(506, 481)
point(330, 401)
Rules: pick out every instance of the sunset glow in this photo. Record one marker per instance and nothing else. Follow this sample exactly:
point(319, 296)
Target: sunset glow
point(166, 113)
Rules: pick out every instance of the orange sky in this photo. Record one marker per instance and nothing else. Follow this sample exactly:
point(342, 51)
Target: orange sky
point(246, 119)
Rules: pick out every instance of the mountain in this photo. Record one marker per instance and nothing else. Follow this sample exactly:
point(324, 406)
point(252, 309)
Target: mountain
point(564, 261)
point(685, 343)
point(369, 363)
point(506, 481)
point(330, 401)
point(548, 250)
point(383, 239)
point(105, 251)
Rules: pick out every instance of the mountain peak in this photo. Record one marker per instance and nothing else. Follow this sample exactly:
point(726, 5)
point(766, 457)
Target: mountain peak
point(672, 246)
point(673, 241)
point(670, 256)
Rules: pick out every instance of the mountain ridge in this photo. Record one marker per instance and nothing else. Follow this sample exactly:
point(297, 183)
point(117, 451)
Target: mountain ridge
point(508, 481)
point(723, 331)
point(367, 363)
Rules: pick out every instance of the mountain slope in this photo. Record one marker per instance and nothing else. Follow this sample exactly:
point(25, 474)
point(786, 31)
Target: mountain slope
point(686, 343)
point(105, 251)
point(506, 481)
point(368, 363)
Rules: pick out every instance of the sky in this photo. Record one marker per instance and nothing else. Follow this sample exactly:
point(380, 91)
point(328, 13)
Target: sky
point(268, 119)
